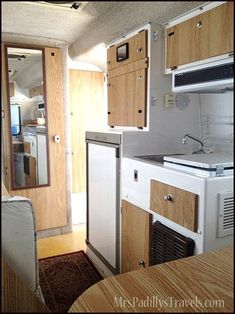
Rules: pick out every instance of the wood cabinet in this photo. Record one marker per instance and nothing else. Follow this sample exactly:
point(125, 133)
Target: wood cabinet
point(136, 229)
point(137, 48)
point(11, 89)
point(127, 83)
point(175, 204)
point(127, 99)
point(30, 177)
point(204, 36)
point(35, 91)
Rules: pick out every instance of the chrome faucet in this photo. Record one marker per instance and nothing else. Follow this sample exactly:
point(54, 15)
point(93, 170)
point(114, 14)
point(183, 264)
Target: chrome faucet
point(201, 150)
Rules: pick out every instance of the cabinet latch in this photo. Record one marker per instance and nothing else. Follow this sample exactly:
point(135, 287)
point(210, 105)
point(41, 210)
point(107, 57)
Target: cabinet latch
point(219, 171)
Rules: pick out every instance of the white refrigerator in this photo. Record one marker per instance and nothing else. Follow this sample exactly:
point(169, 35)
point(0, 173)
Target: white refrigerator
point(103, 197)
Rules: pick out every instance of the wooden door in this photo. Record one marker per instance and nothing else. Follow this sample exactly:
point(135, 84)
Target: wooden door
point(127, 99)
point(175, 204)
point(135, 246)
point(88, 111)
point(49, 202)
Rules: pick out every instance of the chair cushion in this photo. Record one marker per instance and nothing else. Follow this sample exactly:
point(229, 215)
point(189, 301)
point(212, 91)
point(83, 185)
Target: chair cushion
point(19, 238)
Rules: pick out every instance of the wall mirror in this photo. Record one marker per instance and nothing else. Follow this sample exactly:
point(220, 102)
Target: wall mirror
point(28, 117)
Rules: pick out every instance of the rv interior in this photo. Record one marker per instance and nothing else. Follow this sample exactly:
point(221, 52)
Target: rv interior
point(117, 142)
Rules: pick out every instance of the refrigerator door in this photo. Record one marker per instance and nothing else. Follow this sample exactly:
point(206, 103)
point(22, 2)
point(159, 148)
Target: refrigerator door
point(103, 201)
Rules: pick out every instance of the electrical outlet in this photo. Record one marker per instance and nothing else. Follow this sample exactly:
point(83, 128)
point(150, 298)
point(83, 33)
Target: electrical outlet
point(169, 100)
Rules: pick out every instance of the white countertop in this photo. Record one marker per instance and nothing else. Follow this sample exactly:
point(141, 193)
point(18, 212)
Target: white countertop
point(206, 161)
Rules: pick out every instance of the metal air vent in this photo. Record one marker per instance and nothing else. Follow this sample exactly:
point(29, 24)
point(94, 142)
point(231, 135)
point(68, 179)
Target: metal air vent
point(169, 245)
point(225, 214)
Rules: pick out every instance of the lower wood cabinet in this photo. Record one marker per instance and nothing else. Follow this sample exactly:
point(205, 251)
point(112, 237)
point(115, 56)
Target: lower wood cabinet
point(175, 204)
point(136, 235)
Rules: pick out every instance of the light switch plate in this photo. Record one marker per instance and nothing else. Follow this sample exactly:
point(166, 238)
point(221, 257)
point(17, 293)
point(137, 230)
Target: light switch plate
point(170, 100)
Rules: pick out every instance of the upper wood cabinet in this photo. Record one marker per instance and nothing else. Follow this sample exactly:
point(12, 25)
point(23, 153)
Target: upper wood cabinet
point(204, 36)
point(136, 231)
point(35, 91)
point(137, 49)
point(127, 82)
point(11, 89)
point(175, 204)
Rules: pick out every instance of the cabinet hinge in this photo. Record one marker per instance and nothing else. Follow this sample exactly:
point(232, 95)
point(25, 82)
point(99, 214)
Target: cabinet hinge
point(170, 34)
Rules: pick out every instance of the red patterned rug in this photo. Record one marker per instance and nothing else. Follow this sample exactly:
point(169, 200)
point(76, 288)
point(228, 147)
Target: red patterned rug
point(64, 278)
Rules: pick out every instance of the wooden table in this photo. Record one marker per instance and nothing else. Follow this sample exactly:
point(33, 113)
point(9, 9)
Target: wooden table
point(202, 283)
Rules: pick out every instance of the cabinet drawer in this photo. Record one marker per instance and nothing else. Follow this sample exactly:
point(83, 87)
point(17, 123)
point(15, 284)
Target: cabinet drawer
point(137, 50)
point(175, 204)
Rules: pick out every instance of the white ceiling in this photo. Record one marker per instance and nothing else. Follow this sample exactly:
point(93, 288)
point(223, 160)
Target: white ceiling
point(98, 22)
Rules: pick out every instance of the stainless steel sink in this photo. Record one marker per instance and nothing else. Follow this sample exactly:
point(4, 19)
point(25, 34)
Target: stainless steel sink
point(156, 158)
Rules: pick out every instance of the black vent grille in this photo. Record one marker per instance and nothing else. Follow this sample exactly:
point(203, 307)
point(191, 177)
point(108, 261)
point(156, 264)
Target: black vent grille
point(168, 245)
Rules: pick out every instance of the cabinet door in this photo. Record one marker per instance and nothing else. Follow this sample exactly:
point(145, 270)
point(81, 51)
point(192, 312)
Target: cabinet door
point(137, 50)
point(204, 36)
point(12, 89)
point(127, 99)
point(175, 204)
point(181, 44)
point(216, 37)
point(35, 91)
point(136, 228)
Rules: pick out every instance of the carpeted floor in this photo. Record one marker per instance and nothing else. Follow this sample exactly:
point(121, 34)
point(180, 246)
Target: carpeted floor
point(64, 278)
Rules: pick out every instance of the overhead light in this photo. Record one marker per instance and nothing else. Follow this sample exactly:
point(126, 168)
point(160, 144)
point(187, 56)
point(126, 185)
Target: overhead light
point(75, 5)
point(17, 56)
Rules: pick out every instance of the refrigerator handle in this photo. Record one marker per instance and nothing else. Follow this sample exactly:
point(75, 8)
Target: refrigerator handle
point(117, 152)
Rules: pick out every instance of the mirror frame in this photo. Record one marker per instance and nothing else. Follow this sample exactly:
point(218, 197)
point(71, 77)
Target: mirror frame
point(12, 172)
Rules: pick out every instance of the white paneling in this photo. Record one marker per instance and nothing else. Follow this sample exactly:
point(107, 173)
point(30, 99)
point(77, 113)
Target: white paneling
point(217, 121)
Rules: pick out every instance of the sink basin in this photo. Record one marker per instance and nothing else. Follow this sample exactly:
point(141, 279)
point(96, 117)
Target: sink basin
point(156, 158)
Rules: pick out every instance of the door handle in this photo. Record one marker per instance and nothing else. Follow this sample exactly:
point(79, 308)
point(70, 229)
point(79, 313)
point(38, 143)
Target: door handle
point(56, 139)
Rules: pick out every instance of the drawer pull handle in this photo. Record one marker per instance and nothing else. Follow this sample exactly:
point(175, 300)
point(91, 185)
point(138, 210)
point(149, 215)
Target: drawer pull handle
point(199, 24)
point(142, 263)
point(139, 50)
point(168, 198)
